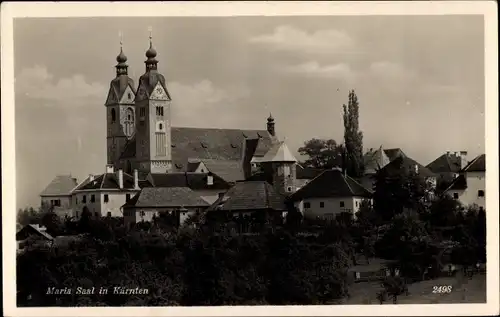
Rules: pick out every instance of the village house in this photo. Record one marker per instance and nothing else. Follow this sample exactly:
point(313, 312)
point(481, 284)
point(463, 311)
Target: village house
point(330, 194)
point(57, 195)
point(447, 167)
point(32, 234)
point(374, 160)
point(151, 202)
point(403, 165)
point(103, 195)
point(469, 187)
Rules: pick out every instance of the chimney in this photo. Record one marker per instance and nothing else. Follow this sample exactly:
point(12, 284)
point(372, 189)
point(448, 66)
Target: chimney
point(109, 168)
point(447, 153)
point(463, 159)
point(210, 180)
point(91, 177)
point(136, 179)
point(120, 178)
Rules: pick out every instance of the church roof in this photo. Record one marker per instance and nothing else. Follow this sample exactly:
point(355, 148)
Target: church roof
point(331, 183)
point(250, 195)
point(117, 88)
point(148, 82)
point(208, 143)
point(170, 197)
point(279, 153)
point(61, 185)
point(229, 170)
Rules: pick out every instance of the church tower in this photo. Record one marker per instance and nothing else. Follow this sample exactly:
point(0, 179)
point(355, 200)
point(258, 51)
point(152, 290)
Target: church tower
point(120, 110)
point(153, 135)
point(281, 165)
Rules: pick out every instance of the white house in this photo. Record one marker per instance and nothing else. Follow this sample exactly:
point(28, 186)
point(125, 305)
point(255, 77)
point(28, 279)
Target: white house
point(470, 187)
point(103, 195)
point(57, 194)
point(330, 194)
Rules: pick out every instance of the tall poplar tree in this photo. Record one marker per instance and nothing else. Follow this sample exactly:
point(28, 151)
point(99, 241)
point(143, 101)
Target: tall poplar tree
point(353, 138)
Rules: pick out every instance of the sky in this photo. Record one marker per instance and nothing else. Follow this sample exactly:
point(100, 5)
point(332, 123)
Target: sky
point(419, 82)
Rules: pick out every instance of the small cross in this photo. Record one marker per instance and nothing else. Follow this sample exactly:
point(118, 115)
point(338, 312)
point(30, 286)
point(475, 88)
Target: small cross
point(150, 33)
point(120, 35)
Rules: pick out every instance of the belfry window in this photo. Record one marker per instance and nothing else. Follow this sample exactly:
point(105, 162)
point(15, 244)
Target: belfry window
point(159, 111)
point(129, 122)
point(113, 115)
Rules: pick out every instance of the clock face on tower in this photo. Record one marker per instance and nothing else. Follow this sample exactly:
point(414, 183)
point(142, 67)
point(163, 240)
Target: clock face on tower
point(159, 91)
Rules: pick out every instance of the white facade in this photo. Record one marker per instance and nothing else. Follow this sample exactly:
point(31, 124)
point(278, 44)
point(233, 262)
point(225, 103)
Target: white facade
point(475, 193)
point(101, 203)
point(329, 207)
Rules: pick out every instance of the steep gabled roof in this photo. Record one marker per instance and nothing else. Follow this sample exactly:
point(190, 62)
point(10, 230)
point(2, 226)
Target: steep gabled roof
point(331, 183)
point(194, 181)
point(279, 152)
point(251, 196)
point(404, 164)
point(446, 164)
point(169, 197)
point(375, 160)
point(107, 181)
point(60, 186)
point(477, 165)
point(392, 154)
point(459, 183)
point(117, 88)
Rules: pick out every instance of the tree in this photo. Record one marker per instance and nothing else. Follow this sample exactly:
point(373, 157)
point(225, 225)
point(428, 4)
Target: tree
point(443, 211)
point(353, 138)
point(394, 286)
point(320, 153)
point(53, 223)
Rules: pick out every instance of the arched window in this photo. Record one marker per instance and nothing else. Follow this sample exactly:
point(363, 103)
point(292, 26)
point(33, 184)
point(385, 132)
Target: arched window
point(160, 126)
point(113, 115)
point(129, 122)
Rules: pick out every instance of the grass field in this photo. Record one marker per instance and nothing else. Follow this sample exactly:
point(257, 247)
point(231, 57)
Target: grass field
point(465, 290)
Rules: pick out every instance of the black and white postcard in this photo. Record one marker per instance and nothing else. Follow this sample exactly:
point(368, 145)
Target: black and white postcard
point(250, 158)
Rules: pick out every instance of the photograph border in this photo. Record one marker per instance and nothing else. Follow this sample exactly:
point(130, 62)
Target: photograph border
point(13, 10)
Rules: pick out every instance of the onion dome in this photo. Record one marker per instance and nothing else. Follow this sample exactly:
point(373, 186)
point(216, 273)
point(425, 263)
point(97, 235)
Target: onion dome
point(121, 58)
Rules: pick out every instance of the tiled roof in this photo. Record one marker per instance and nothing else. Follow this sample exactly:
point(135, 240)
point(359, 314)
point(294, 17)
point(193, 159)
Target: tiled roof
point(460, 183)
point(331, 183)
point(194, 181)
point(230, 171)
point(192, 166)
point(279, 152)
point(392, 154)
point(251, 196)
point(307, 172)
point(149, 80)
point(209, 143)
point(167, 197)
point(107, 181)
point(375, 160)
point(60, 185)
point(477, 165)
point(446, 163)
point(404, 164)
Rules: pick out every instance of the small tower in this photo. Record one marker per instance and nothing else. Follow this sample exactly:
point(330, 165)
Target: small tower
point(120, 110)
point(153, 134)
point(281, 164)
point(270, 125)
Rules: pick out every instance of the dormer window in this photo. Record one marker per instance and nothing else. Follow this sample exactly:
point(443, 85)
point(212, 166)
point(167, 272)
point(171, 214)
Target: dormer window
point(234, 146)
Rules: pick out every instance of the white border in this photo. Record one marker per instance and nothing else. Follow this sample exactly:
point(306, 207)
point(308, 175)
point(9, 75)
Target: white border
point(136, 9)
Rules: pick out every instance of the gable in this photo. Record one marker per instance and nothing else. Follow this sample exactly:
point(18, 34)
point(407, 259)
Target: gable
point(159, 93)
point(128, 96)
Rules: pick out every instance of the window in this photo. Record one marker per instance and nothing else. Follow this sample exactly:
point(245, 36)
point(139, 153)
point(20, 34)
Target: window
point(455, 195)
point(307, 205)
point(109, 214)
point(113, 115)
point(84, 199)
point(160, 127)
point(143, 213)
point(159, 111)
point(76, 200)
point(202, 170)
point(480, 193)
point(142, 112)
point(129, 96)
point(129, 122)
point(356, 203)
point(92, 198)
point(127, 197)
point(289, 189)
point(342, 204)
point(321, 204)
point(96, 214)
point(106, 198)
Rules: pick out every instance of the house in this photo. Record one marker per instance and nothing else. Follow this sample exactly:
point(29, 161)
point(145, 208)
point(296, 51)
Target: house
point(205, 185)
point(404, 165)
point(57, 195)
point(246, 198)
point(448, 167)
point(376, 159)
point(103, 195)
point(150, 202)
point(330, 194)
point(469, 187)
point(32, 234)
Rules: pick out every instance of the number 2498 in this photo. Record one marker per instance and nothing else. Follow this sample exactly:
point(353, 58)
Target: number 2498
point(442, 289)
